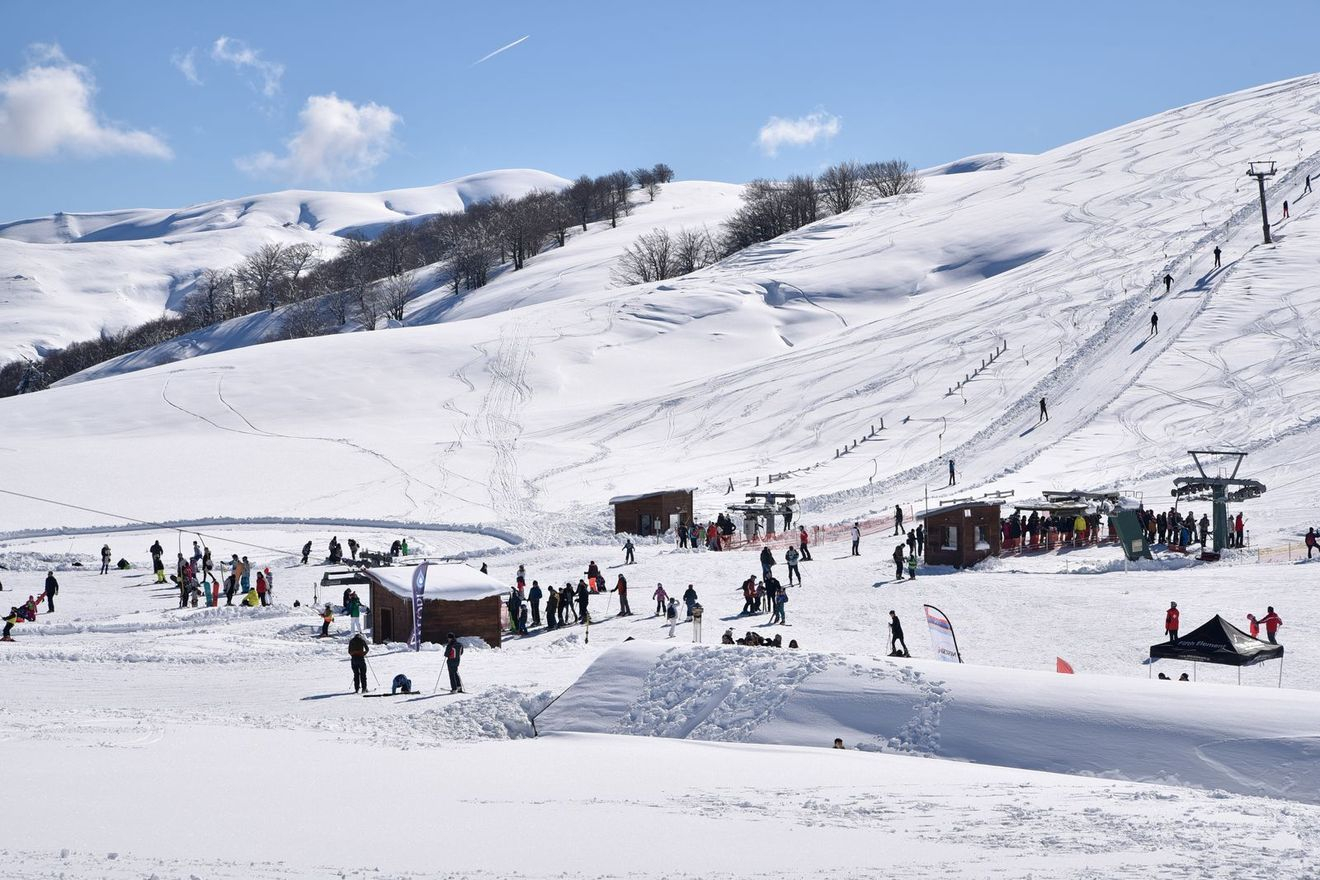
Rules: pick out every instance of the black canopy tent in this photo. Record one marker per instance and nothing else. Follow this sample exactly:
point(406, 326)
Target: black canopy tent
point(1220, 642)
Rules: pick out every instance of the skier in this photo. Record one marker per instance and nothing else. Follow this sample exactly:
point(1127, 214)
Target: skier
point(534, 600)
point(921, 538)
point(898, 563)
point(566, 606)
point(357, 653)
point(953, 481)
point(660, 597)
point(551, 606)
point(1168, 282)
point(912, 542)
point(158, 566)
point(1285, 209)
point(10, 619)
point(803, 544)
point(856, 539)
point(1171, 622)
point(327, 618)
point(696, 622)
point(594, 579)
point(1306, 189)
point(453, 657)
point(354, 612)
point(625, 610)
point(1218, 254)
point(791, 559)
point(1154, 324)
point(105, 559)
point(896, 636)
point(52, 587)
point(1044, 413)
point(306, 552)
point(689, 599)
point(583, 596)
point(898, 520)
point(1311, 541)
point(682, 536)
point(262, 590)
point(1204, 527)
point(767, 562)
point(196, 554)
point(671, 615)
point(401, 685)
point(628, 558)
point(1272, 623)
point(780, 601)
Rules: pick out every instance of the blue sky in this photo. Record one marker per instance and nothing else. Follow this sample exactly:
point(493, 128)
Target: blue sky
point(97, 110)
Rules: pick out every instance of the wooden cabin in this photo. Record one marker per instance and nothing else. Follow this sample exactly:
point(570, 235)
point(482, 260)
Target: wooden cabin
point(457, 599)
point(652, 513)
point(963, 533)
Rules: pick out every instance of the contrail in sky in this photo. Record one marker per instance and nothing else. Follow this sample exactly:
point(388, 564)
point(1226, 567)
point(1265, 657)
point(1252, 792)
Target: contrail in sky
point(501, 49)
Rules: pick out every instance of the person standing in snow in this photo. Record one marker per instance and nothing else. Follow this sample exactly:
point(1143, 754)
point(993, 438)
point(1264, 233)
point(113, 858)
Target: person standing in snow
point(896, 636)
point(696, 622)
point(671, 615)
point(791, 560)
point(767, 562)
point(306, 552)
point(352, 549)
point(689, 599)
point(912, 542)
point(453, 657)
point(921, 538)
point(1218, 255)
point(1306, 189)
point(1168, 282)
point(622, 589)
point(1311, 541)
point(1239, 528)
point(1285, 209)
point(52, 587)
point(1171, 622)
point(953, 480)
point(628, 548)
point(804, 541)
point(262, 590)
point(1272, 622)
point(1044, 413)
point(105, 559)
point(583, 596)
point(534, 600)
point(856, 540)
point(197, 553)
point(354, 612)
point(1204, 528)
point(780, 605)
point(912, 566)
point(661, 598)
point(1154, 324)
point(327, 618)
point(898, 563)
point(682, 533)
point(357, 661)
point(551, 606)
point(898, 520)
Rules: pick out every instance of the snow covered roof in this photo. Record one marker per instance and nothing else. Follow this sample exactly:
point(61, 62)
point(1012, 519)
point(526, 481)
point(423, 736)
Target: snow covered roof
point(961, 505)
point(451, 581)
point(620, 499)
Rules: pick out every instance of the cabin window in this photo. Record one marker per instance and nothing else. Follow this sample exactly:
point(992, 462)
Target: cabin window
point(982, 539)
point(950, 538)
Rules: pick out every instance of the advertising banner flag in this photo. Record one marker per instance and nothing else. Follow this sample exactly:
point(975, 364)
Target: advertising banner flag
point(1061, 665)
point(941, 635)
point(419, 591)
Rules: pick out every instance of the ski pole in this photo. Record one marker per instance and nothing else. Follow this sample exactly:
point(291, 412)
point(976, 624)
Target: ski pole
point(436, 689)
point(373, 674)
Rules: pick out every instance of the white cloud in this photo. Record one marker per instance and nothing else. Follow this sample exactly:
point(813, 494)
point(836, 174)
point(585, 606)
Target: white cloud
point(338, 140)
point(798, 132)
point(47, 108)
point(242, 56)
point(186, 62)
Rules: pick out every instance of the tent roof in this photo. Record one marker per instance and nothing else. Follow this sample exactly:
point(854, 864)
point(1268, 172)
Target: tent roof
point(450, 581)
point(1217, 641)
point(620, 499)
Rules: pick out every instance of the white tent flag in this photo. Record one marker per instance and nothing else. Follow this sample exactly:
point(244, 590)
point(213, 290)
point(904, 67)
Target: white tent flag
point(418, 591)
point(941, 635)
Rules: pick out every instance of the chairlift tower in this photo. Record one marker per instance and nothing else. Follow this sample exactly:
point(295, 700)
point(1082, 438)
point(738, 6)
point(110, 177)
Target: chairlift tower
point(1219, 491)
point(1260, 171)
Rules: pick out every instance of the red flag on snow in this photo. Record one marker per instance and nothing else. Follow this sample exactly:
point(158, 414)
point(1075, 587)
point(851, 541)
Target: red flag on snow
point(1063, 666)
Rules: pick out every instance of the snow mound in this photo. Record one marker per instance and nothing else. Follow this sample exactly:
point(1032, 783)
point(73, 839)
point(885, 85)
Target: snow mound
point(978, 162)
point(1197, 735)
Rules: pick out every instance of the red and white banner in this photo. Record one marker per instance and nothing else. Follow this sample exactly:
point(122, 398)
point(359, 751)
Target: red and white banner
point(1063, 666)
point(941, 635)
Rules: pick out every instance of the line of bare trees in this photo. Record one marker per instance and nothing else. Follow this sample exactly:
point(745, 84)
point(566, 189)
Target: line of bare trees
point(369, 279)
point(774, 207)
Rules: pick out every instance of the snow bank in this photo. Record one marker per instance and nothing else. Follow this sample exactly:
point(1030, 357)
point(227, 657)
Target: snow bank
point(1261, 742)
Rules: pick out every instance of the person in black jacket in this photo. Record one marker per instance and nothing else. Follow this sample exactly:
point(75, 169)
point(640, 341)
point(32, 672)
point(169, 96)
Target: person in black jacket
point(583, 595)
point(767, 562)
point(896, 636)
point(454, 656)
point(898, 563)
point(357, 653)
point(52, 587)
point(534, 600)
point(898, 520)
point(622, 589)
point(306, 552)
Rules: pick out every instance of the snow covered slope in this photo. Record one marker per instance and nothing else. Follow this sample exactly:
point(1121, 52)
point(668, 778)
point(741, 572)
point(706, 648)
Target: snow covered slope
point(531, 413)
point(64, 277)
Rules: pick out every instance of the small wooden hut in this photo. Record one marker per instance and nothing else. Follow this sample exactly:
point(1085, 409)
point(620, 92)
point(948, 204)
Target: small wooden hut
point(652, 513)
point(963, 533)
point(457, 599)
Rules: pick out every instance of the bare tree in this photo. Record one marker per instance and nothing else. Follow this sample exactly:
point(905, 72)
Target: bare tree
point(693, 249)
point(663, 173)
point(310, 317)
point(890, 178)
point(263, 275)
point(647, 180)
point(396, 292)
point(841, 187)
point(649, 258)
point(581, 195)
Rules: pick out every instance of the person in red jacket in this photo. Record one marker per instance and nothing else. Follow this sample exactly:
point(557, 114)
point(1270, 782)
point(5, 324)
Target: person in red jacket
point(1272, 623)
point(1171, 621)
point(804, 542)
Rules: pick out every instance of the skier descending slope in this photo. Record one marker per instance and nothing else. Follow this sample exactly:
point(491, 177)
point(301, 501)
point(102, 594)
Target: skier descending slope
point(1154, 324)
point(1044, 412)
